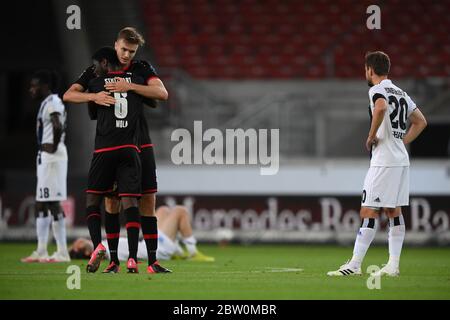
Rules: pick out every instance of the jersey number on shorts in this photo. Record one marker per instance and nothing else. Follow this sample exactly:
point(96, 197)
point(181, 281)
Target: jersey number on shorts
point(121, 106)
point(44, 193)
point(396, 116)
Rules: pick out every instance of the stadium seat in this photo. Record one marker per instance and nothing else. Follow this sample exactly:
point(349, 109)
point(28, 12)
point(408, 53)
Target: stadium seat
point(289, 40)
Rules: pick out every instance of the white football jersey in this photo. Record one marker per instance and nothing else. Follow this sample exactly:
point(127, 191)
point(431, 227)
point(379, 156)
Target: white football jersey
point(390, 150)
point(50, 105)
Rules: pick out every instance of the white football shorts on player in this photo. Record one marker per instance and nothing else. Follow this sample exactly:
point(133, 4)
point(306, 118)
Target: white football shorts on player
point(386, 187)
point(51, 180)
point(166, 248)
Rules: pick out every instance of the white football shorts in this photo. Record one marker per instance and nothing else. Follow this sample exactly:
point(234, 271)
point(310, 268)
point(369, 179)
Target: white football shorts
point(386, 187)
point(166, 248)
point(51, 180)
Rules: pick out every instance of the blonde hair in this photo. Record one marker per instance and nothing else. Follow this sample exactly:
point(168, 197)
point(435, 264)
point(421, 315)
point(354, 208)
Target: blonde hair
point(131, 35)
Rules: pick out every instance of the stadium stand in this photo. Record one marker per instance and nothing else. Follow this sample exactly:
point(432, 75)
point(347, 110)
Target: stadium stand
point(296, 66)
point(254, 39)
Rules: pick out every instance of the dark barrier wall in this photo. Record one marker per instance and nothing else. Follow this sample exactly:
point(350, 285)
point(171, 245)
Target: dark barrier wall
point(264, 218)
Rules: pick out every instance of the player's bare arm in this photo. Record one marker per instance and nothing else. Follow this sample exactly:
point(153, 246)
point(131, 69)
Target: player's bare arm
point(154, 89)
point(377, 118)
point(77, 94)
point(418, 124)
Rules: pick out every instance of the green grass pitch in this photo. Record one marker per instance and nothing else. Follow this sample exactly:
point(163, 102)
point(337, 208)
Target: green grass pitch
point(240, 272)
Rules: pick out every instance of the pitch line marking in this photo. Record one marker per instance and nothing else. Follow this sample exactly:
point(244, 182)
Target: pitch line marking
point(267, 269)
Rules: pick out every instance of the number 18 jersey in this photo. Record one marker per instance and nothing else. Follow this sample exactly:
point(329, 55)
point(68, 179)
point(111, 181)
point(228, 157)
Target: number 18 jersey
point(390, 150)
point(118, 125)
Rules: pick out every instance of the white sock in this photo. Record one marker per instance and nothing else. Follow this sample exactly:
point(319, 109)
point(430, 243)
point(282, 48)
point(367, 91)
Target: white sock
point(396, 236)
point(59, 232)
point(365, 236)
point(42, 230)
point(191, 244)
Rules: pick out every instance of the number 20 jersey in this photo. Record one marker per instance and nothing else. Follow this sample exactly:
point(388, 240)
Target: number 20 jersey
point(118, 125)
point(390, 150)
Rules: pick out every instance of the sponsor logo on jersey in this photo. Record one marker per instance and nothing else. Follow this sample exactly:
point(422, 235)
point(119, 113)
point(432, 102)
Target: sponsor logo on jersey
point(121, 123)
point(398, 135)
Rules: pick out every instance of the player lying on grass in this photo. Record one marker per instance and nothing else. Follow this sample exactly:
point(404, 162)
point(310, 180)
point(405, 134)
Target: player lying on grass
point(171, 222)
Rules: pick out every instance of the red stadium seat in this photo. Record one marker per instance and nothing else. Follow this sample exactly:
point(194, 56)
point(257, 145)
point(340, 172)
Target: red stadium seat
point(255, 39)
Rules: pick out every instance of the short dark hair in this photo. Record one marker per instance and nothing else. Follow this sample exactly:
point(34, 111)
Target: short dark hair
point(379, 62)
point(47, 77)
point(78, 254)
point(131, 35)
point(107, 53)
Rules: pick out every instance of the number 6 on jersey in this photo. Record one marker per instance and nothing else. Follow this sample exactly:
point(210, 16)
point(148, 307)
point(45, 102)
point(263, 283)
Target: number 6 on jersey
point(121, 106)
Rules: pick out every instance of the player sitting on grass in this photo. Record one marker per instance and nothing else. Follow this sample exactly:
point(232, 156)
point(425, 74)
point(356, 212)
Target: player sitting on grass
point(171, 221)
